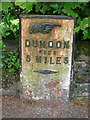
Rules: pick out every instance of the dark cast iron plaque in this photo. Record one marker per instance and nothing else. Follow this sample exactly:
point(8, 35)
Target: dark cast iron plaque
point(46, 55)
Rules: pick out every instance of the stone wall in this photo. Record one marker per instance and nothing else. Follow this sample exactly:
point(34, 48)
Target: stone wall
point(81, 82)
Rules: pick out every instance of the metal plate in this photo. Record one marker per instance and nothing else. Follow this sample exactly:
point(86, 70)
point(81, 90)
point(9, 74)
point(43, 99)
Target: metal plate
point(46, 55)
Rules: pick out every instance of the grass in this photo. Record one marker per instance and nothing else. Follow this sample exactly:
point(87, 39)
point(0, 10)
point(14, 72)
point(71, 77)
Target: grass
point(79, 101)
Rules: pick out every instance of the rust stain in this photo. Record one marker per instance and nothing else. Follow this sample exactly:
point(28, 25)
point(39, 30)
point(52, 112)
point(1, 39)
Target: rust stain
point(52, 84)
point(37, 80)
point(57, 91)
point(54, 87)
point(56, 34)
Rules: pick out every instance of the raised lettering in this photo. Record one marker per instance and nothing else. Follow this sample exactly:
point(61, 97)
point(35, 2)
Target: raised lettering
point(28, 58)
point(50, 44)
point(42, 44)
point(51, 62)
point(58, 44)
point(49, 52)
point(66, 60)
point(44, 51)
point(40, 51)
point(66, 44)
point(34, 43)
point(45, 60)
point(27, 43)
point(54, 52)
point(58, 60)
point(38, 59)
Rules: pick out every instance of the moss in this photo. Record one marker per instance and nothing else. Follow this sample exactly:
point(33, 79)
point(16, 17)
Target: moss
point(17, 94)
point(77, 79)
point(88, 71)
point(82, 47)
point(30, 101)
point(79, 101)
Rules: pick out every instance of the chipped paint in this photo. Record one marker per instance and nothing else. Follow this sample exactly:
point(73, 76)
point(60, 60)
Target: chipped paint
point(35, 84)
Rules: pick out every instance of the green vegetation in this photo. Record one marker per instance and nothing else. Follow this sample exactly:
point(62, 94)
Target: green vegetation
point(80, 10)
point(79, 101)
point(10, 68)
point(11, 61)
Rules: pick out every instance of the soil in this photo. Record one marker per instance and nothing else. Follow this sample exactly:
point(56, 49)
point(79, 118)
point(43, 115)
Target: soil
point(14, 107)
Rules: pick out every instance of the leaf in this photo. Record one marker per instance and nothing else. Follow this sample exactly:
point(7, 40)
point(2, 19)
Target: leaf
point(45, 8)
point(38, 7)
point(55, 6)
point(70, 12)
point(68, 8)
point(77, 29)
point(85, 23)
point(78, 20)
point(15, 21)
point(5, 6)
point(70, 5)
point(27, 5)
point(86, 34)
point(7, 33)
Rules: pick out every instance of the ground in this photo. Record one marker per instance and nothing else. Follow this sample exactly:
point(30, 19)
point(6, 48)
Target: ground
point(14, 107)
